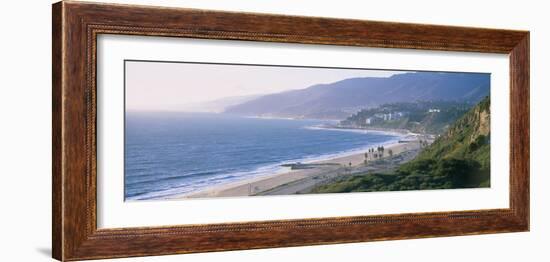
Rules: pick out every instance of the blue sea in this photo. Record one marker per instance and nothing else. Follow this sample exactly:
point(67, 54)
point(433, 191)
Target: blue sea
point(167, 154)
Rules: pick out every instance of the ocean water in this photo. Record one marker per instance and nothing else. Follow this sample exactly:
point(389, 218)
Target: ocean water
point(173, 153)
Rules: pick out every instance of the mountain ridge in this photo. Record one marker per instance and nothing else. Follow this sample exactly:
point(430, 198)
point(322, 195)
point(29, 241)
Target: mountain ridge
point(338, 99)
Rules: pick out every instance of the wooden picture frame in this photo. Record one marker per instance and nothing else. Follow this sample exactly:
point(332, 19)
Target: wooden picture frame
point(76, 26)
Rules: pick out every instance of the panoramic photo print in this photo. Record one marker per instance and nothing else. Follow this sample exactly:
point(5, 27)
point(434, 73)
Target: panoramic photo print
point(202, 130)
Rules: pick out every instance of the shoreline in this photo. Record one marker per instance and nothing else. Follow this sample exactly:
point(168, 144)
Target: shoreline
point(385, 131)
point(287, 180)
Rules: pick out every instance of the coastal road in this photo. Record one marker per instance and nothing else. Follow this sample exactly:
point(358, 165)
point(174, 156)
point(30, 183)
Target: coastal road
point(328, 174)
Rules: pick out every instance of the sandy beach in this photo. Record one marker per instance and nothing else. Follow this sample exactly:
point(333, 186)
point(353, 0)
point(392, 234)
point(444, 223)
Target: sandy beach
point(300, 180)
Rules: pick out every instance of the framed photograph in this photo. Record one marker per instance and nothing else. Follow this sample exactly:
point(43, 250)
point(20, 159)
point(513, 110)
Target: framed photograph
point(182, 130)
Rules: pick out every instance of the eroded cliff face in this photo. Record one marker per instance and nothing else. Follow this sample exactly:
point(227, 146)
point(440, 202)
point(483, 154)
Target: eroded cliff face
point(484, 127)
point(469, 136)
point(474, 123)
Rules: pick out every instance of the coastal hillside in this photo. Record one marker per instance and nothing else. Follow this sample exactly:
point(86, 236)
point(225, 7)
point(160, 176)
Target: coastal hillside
point(468, 138)
point(340, 99)
point(427, 117)
point(459, 158)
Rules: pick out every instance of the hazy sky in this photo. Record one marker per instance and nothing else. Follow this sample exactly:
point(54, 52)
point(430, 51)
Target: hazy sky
point(156, 86)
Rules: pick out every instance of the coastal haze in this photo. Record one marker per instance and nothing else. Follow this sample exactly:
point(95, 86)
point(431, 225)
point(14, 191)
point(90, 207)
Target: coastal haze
point(223, 130)
point(198, 87)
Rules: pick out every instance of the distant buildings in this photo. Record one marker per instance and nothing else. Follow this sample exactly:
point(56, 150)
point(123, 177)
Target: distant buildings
point(381, 117)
